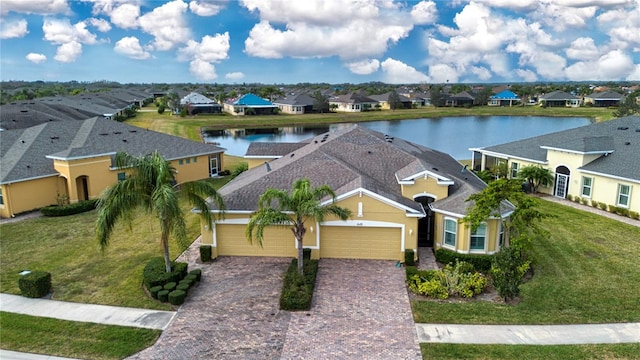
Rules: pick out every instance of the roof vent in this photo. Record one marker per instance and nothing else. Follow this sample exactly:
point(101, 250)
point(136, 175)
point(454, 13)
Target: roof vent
point(22, 141)
point(435, 168)
point(627, 143)
point(55, 137)
point(623, 128)
point(28, 166)
point(292, 154)
point(117, 132)
point(124, 140)
point(104, 134)
point(266, 164)
point(637, 130)
point(132, 131)
point(24, 111)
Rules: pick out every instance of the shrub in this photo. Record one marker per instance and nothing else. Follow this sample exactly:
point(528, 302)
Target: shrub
point(154, 273)
point(69, 209)
point(205, 253)
point(306, 254)
point(176, 297)
point(242, 167)
point(602, 206)
point(409, 257)
point(634, 215)
point(191, 277)
point(170, 286)
point(507, 271)
point(183, 286)
point(197, 273)
point(459, 280)
point(35, 284)
point(163, 295)
point(154, 291)
point(569, 197)
point(297, 290)
point(584, 201)
point(480, 263)
point(619, 210)
point(410, 271)
point(188, 282)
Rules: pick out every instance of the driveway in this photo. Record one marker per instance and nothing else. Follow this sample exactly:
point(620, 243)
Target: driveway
point(360, 311)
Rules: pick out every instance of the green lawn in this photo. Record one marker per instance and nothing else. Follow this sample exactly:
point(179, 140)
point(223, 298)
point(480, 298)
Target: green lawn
point(530, 352)
point(586, 272)
point(189, 127)
point(72, 339)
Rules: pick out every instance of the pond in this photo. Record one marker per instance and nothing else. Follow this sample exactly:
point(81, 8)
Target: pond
point(453, 135)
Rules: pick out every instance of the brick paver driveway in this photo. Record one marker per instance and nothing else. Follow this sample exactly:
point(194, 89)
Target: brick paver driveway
point(360, 311)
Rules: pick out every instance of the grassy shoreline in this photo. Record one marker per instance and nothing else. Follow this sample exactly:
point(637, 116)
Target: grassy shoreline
point(190, 127)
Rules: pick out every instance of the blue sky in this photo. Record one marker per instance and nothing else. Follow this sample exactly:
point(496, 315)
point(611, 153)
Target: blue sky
point(292, 41)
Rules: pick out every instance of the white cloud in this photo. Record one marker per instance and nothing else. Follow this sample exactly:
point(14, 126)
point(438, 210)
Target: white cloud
point(614, 65)
point(36, 58)
point(101, 24)
point(635, 75)
point(68, 52)
point(582, 48)
point(561, 17)
point(130, 46)
point(206, 7)
point(510, 4)
point(167, 24)
point(125, 16)
point(60, 31)
point(443, 73)
point(13, 28)
point(424, 12)
point(202, 70)
point(397, 72)
point(481, 72)
point(234, 75)
point(42, 7)
point(527, 75)
point(210, 49)
point(317, 28)
point(363, 67)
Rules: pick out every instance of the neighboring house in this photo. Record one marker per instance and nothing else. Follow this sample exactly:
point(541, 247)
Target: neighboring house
point(383, 101)
point(559, 98)
point(401, 195)
point(604, 99)
point(504, 98)
point(598, 162)
point(74, 159)
point(26, 113)
point(460, 99)
point(295, 104)
point(196, 103)
point(352, 102)
point(258, 105)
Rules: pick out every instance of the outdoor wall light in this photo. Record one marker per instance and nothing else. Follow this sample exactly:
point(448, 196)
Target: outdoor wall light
point(311, 228)
point(410, 231)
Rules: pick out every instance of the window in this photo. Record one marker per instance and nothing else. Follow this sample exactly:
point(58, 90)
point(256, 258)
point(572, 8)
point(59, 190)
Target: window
point(180, 162)
point(1, 198)
point(450, 227)
point(478, 237)
point(624, 193)
point(188, 160)
point(195, 159)
point(586, 186)
point(514, 170)
point(122, 176)
point(501, 235)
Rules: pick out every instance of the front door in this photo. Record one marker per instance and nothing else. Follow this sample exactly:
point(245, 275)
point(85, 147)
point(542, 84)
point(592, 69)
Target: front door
point(426, 224)
point(561, 185)
point(213, 166)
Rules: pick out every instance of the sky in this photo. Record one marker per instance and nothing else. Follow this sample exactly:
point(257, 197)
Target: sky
point(330, 41)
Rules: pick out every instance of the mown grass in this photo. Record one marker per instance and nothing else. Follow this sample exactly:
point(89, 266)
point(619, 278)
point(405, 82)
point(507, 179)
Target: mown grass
point(585, 272)
point(530, 352)
point(190, 127)
point(72, 339)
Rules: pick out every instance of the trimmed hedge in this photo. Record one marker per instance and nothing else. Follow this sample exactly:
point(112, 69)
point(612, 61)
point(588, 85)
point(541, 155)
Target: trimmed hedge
point(197, 273)
point(297, 290)
point(163, 295)
point(191, 277)
point(69, 209)
point(183, 286)
point(154, 273)
point(154, 291)
point(187, 282)
point(480, 263)
point(170, 286)
point(176, 297)
point(205, 253)
point(36, 284)
point(409, 257)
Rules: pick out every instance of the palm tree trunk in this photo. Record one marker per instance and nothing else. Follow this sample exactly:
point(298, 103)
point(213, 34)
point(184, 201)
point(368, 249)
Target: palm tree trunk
point(165, 246)
point(300, 256)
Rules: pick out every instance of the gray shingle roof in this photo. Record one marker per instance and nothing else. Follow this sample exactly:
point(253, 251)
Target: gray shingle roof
point(352, 98)
point(27, 153)
point(196, 98)
point(605, 95)
point(620, 138)
point(270, 149)
point(558, 95)
point(24, 114)
point(353, 158)
point(298, 100)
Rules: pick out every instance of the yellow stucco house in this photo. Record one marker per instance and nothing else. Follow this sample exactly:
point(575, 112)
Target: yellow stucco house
point(598, 162)
point(402, 196)
point(73, 160)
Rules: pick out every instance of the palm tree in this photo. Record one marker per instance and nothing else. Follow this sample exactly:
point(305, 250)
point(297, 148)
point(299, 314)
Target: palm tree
point(536, 176)
point(151, 185)
point(279, 208)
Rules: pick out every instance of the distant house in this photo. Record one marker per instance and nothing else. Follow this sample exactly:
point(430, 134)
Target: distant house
point(402, 196)
point(604, 99)
point(597, 162)
point(196, 103)
point(74, 159)
point(504, 98)
point(295, 104)
point(383, 101)
point(559, 98)
point(241, 106)
point(460, 99)
point(352, 102)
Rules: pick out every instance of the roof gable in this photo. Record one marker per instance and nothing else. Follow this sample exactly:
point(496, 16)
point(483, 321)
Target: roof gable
point(252, 100)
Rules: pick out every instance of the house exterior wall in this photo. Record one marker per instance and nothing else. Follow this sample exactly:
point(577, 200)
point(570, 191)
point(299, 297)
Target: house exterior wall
point(96, 169)
point(255, 162)
point(291, 109)
point(28, 195)
point(463, 235)
point(193, 167)
point(425, 186)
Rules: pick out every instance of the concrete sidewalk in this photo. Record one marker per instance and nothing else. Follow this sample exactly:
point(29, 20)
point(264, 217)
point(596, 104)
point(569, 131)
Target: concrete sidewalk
point(101, 314)
point(529, 334)
point(14, 355)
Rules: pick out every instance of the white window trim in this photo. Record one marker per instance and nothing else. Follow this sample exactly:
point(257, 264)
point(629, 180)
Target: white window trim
point(484, 248)
point(500, 232)
point(515, 168)
point(626, 206)
point(583, 186)
point(444, 234)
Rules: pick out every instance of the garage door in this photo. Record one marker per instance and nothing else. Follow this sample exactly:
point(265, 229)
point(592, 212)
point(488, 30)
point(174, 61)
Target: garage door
point(231, 240)
point(349, 242)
